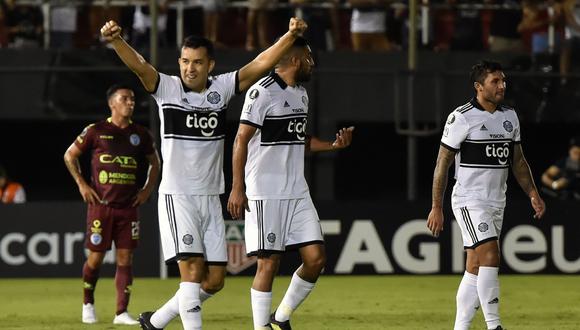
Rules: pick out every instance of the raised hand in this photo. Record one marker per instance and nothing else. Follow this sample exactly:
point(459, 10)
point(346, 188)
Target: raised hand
point(297, 26)
point(343, 138)
point(111, 31)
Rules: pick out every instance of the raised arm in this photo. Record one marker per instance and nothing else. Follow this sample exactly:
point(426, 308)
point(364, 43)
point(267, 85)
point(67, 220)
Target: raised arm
point(523, 174)
point(238, 201)
point(71, 160)
point(148, 75)
point(444, 161)
point(267, 59)
point(343, 140)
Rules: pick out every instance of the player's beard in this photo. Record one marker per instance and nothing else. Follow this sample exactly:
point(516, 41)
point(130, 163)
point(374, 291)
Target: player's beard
point(303, 74)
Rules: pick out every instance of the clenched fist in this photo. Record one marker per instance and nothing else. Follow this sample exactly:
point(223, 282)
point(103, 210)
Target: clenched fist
point(111, 31)
point(297, 26)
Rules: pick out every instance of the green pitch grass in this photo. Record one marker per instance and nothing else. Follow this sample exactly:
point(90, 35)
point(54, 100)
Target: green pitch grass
point(337, 302)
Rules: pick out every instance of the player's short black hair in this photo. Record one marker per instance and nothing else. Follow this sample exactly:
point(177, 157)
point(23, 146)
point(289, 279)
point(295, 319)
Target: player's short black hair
point(114, 88)
point(197, 42)
point(480, 70)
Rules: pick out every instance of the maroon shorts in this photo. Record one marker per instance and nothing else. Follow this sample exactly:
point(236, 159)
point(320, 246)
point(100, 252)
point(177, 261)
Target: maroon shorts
point(106, 225)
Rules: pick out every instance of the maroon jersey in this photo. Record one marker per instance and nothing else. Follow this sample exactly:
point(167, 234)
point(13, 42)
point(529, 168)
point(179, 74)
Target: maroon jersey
point(118, 156)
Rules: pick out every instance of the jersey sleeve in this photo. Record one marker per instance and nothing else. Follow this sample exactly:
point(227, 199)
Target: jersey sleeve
point(454, 132)
point(84, 141)
point(166, 86)
point(517, 138)
point(230, 82)
point(256, 106)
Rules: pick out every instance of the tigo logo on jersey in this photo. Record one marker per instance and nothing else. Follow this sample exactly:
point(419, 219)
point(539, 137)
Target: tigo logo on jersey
point(207, 124)
point(298, 126)
point(502, 152)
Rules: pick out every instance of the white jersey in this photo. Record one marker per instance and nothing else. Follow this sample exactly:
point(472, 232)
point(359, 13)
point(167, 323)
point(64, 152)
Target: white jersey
point(192, 134)
point(275, 162)
point(484, 144)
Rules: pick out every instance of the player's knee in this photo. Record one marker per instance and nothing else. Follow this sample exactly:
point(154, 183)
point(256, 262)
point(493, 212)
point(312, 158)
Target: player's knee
point(213, 285)
point(267, 267)
point(316, 263)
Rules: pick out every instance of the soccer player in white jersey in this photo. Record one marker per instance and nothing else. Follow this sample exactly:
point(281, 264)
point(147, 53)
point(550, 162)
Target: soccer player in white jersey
point(192, 114)
point(268, 159)
point(483, 137)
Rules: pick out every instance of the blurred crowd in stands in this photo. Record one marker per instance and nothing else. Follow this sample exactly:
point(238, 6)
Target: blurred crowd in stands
point(361, 25)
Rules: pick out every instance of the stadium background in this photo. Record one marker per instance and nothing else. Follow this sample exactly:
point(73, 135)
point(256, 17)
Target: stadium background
point(48, 96)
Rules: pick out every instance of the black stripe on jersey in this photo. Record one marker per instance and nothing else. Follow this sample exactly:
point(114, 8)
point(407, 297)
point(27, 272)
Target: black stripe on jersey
point(497, 167)
point(194, 124)
point(495, 153)
point(179, 107)
point(284, 129)
point(171, 218)
point(448, 147)
point(247, 122)
point(292, 115)
point(266, 82)
point(156, 84)
point(237, 90)
point(489, 141)
point(180, 137)
point(468, 225)
point(466, 107)
point(494, 238)
point(282, 143)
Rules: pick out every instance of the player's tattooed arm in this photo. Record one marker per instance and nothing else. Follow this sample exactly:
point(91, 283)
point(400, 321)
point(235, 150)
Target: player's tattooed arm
point(523, 174)
point(435, 218)
point(444, 160)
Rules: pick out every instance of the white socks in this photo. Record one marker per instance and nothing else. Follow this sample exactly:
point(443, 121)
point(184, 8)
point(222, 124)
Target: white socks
point(467, 301)
point(161, 318)
point(488, 291)
point(297, 291)
point(189, 305)
point(261, 305)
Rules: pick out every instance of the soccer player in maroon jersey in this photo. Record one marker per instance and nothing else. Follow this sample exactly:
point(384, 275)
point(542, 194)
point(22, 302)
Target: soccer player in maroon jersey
point(120, 149)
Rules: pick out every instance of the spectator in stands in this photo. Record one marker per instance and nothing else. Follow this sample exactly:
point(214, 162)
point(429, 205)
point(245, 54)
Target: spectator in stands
point(571, 45)
point(212, 12)
point(142, 26)
point(11, 192)
point(537, 16)
point(23, 24)
point(63, 25)
point(323, 19)
point(3, 32)
point(562, 179)
point(503, 33)
point(257, 23)
point(368, 25)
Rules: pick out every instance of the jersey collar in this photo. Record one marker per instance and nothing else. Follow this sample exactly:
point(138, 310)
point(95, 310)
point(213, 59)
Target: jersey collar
point(186, 89)
point(479, 107)
point(279, 80)
point(110, 121)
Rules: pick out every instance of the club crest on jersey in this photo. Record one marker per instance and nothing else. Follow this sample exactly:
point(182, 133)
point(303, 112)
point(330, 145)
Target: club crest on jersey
point(134, 139)
point(214, 97)
point(253, 94)
point(187, 239)
point(508, 126)
point(271, 238)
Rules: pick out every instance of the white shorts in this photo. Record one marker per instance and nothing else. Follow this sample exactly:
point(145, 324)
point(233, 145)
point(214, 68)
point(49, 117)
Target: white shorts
point(277, 225)
point(192, 226)
point(479, 224)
